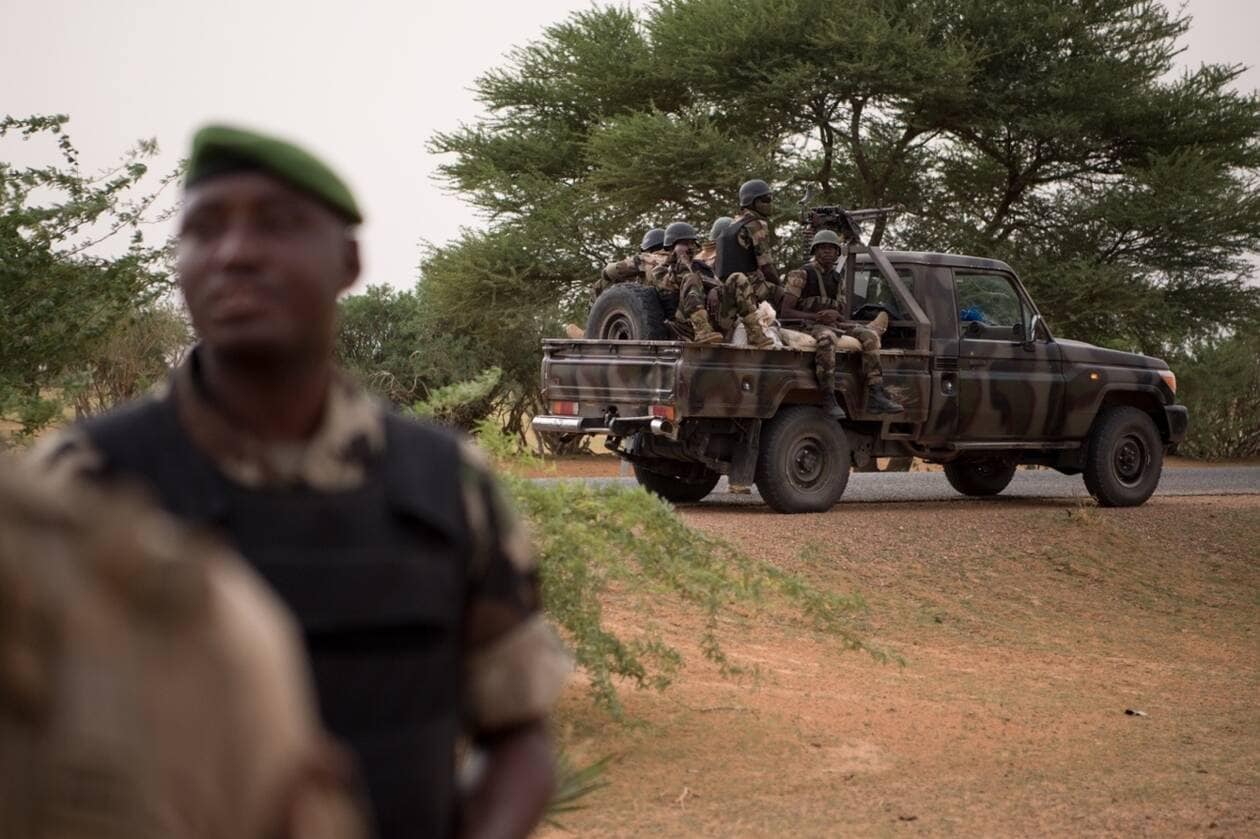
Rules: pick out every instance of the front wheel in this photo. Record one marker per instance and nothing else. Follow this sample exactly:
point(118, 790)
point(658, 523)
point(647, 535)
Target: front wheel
point(803, 464)
point(1124, 459)
point(679, 488)
point(979, 478)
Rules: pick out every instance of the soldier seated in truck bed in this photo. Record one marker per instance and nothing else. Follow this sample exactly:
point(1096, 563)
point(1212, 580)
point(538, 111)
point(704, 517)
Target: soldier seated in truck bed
point(814, 293)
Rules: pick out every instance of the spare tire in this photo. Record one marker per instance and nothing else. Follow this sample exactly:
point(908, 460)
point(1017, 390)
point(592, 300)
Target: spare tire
point(677, 484)
point(628, 312)
point(979, 478)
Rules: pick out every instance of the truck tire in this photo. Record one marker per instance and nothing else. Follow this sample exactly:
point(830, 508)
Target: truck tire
point(674, 488)
point(1124, 458)
point(979, 478)
point(628, 312)
point(803, 463)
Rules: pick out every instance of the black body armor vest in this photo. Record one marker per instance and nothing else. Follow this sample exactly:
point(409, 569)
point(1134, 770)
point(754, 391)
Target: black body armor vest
point(818, 284)
point(375, 576)
point(732, 257)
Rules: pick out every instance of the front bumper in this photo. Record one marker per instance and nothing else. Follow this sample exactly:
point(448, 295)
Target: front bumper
point(1178, 418)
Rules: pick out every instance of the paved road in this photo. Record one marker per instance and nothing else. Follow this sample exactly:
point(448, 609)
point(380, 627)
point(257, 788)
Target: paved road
point(1037, 483)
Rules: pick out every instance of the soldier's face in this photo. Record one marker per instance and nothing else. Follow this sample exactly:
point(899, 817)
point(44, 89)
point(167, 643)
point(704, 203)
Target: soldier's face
point(260, 265)
point(764, 205)
point(826, 255)
point(685, 248)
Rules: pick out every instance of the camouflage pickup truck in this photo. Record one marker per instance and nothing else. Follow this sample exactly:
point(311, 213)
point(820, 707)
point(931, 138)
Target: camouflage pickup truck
point(985, 386)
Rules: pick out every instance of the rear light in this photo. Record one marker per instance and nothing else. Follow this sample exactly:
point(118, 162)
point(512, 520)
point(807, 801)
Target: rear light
point(1170, 379)
point(662, 411)
point(567, 409)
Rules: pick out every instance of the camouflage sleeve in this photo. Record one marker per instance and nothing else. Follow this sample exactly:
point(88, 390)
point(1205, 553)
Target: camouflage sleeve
point(67, 456)
point(514, 666)
point(794, 283)
point(621, 272)
point(658, 275)
point(756, 235)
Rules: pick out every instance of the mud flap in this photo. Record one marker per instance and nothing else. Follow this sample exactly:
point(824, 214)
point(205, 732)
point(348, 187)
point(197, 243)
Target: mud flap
point(744, 463)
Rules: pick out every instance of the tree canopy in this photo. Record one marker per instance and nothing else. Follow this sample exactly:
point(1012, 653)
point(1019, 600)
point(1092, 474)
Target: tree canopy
point(62, 301)
point(1050, 133)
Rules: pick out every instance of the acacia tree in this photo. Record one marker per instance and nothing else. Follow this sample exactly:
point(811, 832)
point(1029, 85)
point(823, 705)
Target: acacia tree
point(1050, 133)
point(61, 301)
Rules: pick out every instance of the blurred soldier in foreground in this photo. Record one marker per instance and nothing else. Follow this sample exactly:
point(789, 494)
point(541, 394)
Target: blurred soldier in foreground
point(150, 685)
point(814, 293)
point(743, 263)
point(690, 279)
point(413, 584)
point(635, 268)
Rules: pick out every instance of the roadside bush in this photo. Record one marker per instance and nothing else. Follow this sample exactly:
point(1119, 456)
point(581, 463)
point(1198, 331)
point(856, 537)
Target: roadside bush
point(135, 356)
point(591, 539)
point(464, 405)
point(1220, 385)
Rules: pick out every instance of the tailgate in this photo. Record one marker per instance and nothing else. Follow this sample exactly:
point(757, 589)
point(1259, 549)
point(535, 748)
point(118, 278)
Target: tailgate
point(630, 375)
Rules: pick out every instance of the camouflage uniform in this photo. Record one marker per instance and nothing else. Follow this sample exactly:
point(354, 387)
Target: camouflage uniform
point(742, 293)
point(831, 296)
point(634, 268)
point(692, 285)
point(511, 665)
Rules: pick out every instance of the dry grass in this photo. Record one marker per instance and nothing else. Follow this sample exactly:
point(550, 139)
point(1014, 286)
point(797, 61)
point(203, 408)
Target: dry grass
point(1028, 629)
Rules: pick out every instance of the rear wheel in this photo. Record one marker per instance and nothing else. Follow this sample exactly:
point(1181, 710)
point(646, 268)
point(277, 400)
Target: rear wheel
point(803, 464)
point(628, 312)
point(979, 477)
point(679, 485)
point(1125, 458)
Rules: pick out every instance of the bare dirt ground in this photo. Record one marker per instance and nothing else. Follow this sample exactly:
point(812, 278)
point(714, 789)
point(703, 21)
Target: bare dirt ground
point(1027, 629)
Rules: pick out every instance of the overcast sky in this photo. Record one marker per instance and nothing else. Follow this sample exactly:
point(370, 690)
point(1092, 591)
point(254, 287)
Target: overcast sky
point(363, 87)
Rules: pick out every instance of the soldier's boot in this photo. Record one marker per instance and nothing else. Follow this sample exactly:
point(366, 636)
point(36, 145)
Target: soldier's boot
point(757, 336)
point(830, 406)
point(704, 331)
point(879, 401)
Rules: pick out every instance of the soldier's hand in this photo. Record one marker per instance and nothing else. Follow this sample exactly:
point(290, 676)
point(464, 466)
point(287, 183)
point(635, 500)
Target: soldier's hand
point(828, 316)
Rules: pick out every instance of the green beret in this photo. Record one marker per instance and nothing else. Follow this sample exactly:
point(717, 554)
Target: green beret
point(220, 149)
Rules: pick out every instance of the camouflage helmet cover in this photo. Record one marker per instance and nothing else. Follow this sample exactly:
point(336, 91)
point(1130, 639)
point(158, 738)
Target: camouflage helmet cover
point(750, 191)
point(654, 239)
point(680, 231)
point(825, 237)
point(719, 226)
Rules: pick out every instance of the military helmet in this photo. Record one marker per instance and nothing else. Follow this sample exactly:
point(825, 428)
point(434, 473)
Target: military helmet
point(750, 191)
point(678, 231)
point(825, 237)
point(653, 240)
point(719, 227)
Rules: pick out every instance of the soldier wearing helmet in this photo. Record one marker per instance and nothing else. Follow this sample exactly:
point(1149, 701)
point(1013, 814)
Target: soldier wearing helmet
point(636, 267)
point(743, 263)
point(708, 254)
point(815, 294)
point(683, 274)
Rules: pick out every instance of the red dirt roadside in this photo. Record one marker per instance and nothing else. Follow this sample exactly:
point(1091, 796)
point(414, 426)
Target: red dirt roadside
point(1027, 629)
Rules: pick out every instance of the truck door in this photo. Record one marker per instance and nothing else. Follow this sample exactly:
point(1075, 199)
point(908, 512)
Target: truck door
point(1009, 388)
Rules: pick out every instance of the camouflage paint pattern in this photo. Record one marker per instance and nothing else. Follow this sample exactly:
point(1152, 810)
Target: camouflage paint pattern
point(1030, 401)
point(721, 381)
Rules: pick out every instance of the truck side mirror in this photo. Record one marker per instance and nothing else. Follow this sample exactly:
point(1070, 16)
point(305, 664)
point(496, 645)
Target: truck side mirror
point(1035, 329)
